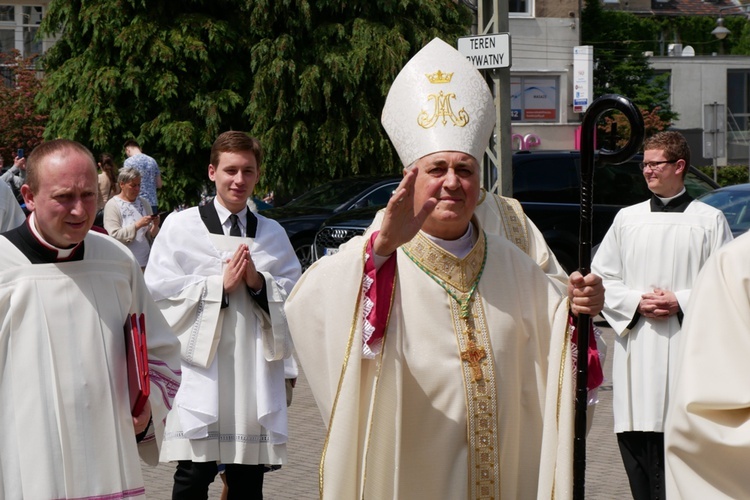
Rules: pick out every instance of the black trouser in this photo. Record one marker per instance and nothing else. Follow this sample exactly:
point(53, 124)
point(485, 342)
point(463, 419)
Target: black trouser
point(643, 456)
point(191, 480)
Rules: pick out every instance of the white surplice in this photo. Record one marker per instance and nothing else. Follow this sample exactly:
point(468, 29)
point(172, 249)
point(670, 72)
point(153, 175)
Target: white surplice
point(397, 424)
point(66, 431)
point(643, 251)
point(233, 404)
point(707, 434)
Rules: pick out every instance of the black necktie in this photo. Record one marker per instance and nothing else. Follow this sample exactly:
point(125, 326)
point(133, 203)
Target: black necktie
point(235, 230)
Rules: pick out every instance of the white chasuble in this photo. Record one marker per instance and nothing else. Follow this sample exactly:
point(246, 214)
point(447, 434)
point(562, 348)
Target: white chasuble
point(641, 252)
point(425, 418)
point(707, 434)
point(232, 405)
point(66, 431)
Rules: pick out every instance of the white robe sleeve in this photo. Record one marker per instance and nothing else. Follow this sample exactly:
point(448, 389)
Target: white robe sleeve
point(163, 365)
point(721, 235)
point(621, 302)
point(189, 299)
point(707, 432)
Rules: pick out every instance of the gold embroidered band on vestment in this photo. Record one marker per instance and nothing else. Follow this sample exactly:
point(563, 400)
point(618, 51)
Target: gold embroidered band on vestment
point(459, 278)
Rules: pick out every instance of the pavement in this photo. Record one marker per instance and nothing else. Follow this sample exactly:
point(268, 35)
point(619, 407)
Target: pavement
point(298, 480)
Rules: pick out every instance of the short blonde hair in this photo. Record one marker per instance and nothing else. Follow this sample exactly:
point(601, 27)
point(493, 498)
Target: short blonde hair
point(57, 146)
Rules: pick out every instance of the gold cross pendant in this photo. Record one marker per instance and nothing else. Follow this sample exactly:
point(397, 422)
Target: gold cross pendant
point(474, 355)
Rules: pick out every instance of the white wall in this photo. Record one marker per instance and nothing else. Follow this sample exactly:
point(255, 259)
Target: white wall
point(544, 46)
point(696, 81)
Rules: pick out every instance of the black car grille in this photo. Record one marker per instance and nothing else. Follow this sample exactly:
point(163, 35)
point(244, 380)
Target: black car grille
point(333, 237)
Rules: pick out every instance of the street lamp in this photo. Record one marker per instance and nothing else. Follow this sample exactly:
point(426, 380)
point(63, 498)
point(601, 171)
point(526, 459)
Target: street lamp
point(720, 31)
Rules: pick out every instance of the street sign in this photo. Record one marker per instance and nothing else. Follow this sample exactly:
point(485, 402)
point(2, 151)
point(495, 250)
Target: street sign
point(714, 130)
point(486, 51)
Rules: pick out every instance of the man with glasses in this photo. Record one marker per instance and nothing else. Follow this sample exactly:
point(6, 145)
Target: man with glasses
point(648, 261)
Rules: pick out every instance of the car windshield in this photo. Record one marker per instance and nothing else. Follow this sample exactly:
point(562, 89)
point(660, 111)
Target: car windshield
point(736, 207)
point(332, 194)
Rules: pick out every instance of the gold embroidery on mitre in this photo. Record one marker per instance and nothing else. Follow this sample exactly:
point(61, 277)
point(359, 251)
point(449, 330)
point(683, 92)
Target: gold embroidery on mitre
point(442, 109)
point(440, 77)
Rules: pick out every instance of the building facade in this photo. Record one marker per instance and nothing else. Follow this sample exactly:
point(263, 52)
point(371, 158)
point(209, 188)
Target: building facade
point(19, 24)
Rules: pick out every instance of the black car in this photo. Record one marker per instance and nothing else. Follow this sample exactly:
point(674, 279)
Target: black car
point(547, 183)
point(302, 217)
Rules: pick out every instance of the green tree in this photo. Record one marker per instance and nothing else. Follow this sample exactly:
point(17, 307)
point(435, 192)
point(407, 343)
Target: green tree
point(20, 125)
point(307, 78)
point(621, 66)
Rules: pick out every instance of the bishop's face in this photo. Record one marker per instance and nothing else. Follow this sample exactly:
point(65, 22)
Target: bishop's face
point(454, 177)
point(235, 176)
point(64, 203)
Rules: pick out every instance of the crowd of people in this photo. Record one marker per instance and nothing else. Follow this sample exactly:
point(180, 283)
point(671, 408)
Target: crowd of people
point(439, 346)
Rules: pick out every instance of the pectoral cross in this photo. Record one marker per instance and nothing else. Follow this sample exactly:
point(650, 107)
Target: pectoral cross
point(474, 355)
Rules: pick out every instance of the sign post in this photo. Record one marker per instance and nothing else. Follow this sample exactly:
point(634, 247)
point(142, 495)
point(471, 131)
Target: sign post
point(714, 132)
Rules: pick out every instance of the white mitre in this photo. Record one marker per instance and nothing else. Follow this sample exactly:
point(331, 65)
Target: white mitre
point(438, 102)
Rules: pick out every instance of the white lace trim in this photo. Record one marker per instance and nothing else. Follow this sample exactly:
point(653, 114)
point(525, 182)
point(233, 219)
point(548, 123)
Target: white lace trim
point(368, 352)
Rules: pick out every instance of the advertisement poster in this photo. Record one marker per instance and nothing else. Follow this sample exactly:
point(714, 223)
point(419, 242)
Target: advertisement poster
point(540, 99)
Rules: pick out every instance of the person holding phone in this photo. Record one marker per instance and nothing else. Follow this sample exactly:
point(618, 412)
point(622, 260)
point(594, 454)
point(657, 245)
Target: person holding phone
point(128, 217)
point(16, 175)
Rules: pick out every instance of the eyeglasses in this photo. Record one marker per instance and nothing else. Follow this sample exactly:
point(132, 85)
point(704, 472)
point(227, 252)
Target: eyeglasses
point(655, 166)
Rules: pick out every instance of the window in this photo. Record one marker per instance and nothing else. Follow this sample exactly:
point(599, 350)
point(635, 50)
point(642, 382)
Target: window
point(534, 98)
point(19, 25)
point(379, 197)
point(738, 97)
point(521, 8)
point(31, 18)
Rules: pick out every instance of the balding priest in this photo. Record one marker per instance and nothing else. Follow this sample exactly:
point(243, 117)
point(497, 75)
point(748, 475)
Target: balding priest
point(438, 352)
point(66, 424)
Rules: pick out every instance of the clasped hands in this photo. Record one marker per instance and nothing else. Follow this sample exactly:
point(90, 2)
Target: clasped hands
point(659, 304)
point(240, 268)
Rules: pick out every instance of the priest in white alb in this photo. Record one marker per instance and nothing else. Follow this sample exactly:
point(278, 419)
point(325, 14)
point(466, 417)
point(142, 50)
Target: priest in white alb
point(649, 260)
point(438, 353)
point(66, 424)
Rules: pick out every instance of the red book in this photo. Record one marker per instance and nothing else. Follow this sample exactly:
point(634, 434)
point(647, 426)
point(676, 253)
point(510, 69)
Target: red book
point(137, 360)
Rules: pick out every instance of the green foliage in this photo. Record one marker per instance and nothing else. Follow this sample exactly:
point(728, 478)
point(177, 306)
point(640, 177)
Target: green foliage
point(307, 78)
point(20, 125)
point(728, 175)
point(621, 67)
point(696, 32)
point(652, 124)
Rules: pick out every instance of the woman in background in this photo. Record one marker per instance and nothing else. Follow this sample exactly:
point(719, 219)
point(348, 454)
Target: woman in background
point(108, 186)
point(128, 217)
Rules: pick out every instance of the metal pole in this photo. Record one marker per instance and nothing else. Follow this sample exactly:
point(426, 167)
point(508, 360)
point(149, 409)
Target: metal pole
point(716, 140)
